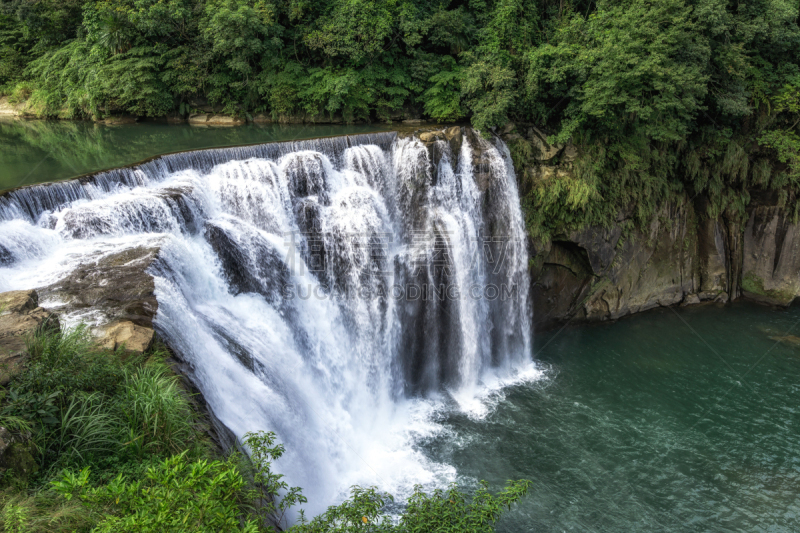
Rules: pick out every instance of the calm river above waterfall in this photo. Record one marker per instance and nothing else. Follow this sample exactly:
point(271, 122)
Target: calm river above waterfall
point(673, 420)
point(36, 151)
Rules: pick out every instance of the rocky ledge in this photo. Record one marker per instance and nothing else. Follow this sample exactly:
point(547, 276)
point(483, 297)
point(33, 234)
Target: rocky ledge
point(113, 293)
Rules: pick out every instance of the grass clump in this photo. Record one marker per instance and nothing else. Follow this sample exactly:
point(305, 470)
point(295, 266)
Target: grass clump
point(86, 407)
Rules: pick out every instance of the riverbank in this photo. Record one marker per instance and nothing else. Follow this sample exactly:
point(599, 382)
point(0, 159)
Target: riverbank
point(204, 116)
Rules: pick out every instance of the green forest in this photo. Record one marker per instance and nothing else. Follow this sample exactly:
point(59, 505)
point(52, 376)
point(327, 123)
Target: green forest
point(663, 97)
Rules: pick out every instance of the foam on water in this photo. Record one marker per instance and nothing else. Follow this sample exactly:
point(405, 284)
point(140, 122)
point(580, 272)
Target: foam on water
point(276, 281)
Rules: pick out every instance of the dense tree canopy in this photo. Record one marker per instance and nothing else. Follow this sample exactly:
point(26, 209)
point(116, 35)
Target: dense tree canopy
point(663, 95)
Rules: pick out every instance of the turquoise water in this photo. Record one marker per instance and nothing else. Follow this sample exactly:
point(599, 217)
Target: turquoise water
point(38, 151)
point(674, 420)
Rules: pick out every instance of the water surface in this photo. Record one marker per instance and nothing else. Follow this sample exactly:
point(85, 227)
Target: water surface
point(683, 420)
point(36, 151)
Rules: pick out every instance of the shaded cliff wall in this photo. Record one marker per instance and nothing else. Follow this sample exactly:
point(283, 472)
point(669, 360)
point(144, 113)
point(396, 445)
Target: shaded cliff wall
point(681, 257)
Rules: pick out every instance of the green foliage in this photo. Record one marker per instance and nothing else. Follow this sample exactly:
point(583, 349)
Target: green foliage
point(451, 510)
point(362, 512)
point(630, 64)
point(87, 428)
point(67, 363)
point(42, 512)
point(175, 495)
point(662, 98)
point(156, 412)
point(448, 510)
point(443, 99)
point(88, 407)
point(269, 485)
point(14, 519)
point(118, 447)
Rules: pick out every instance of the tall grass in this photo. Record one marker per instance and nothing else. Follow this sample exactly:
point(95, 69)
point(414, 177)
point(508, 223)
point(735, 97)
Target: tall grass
point(158, 414)
point(44, 512)
point(70, 362)
point(85, 406)
point(88, 428)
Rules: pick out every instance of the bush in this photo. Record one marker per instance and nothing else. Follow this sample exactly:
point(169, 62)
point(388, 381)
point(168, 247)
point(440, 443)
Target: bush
point(176, 495)
point(443, 511)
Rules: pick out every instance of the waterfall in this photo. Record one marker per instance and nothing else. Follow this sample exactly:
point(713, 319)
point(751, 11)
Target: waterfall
point(336, 291)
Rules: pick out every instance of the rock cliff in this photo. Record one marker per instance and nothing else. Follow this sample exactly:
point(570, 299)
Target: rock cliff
point(681, 257)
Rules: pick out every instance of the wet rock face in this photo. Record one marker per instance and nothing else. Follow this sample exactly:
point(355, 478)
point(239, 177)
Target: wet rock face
point(250, 262)
point(20, 317)
point(113, 287)
point(5, 256)
point(603, 273)
point(771, 256)
point(682, 258)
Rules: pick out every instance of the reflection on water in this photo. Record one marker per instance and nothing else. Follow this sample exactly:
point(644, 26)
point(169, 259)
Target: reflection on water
point(643, 425)
point(37, 151)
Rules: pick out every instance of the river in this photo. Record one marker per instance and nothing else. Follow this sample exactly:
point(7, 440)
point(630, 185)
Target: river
point(679, 419)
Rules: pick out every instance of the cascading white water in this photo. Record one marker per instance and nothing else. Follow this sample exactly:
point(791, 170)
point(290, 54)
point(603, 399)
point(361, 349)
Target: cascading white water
point(336, 291)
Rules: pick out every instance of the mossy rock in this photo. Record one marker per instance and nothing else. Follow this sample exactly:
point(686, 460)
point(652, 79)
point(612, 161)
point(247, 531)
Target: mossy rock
point(18, 461)
point(753, 286)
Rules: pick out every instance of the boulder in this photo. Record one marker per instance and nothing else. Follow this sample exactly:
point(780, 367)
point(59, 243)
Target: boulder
point(690, 299)
point(12, 111)
point(17, 454)
point(570, 153)
point(431, 136)
point(543, 151)
point(120, 119)
point(125, 335)
point(20, 318)
point(199, 119)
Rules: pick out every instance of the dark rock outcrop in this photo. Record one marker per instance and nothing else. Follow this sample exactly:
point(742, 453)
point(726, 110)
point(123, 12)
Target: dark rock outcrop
point(605, 273)
point(20, 318)
point(17, 454)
